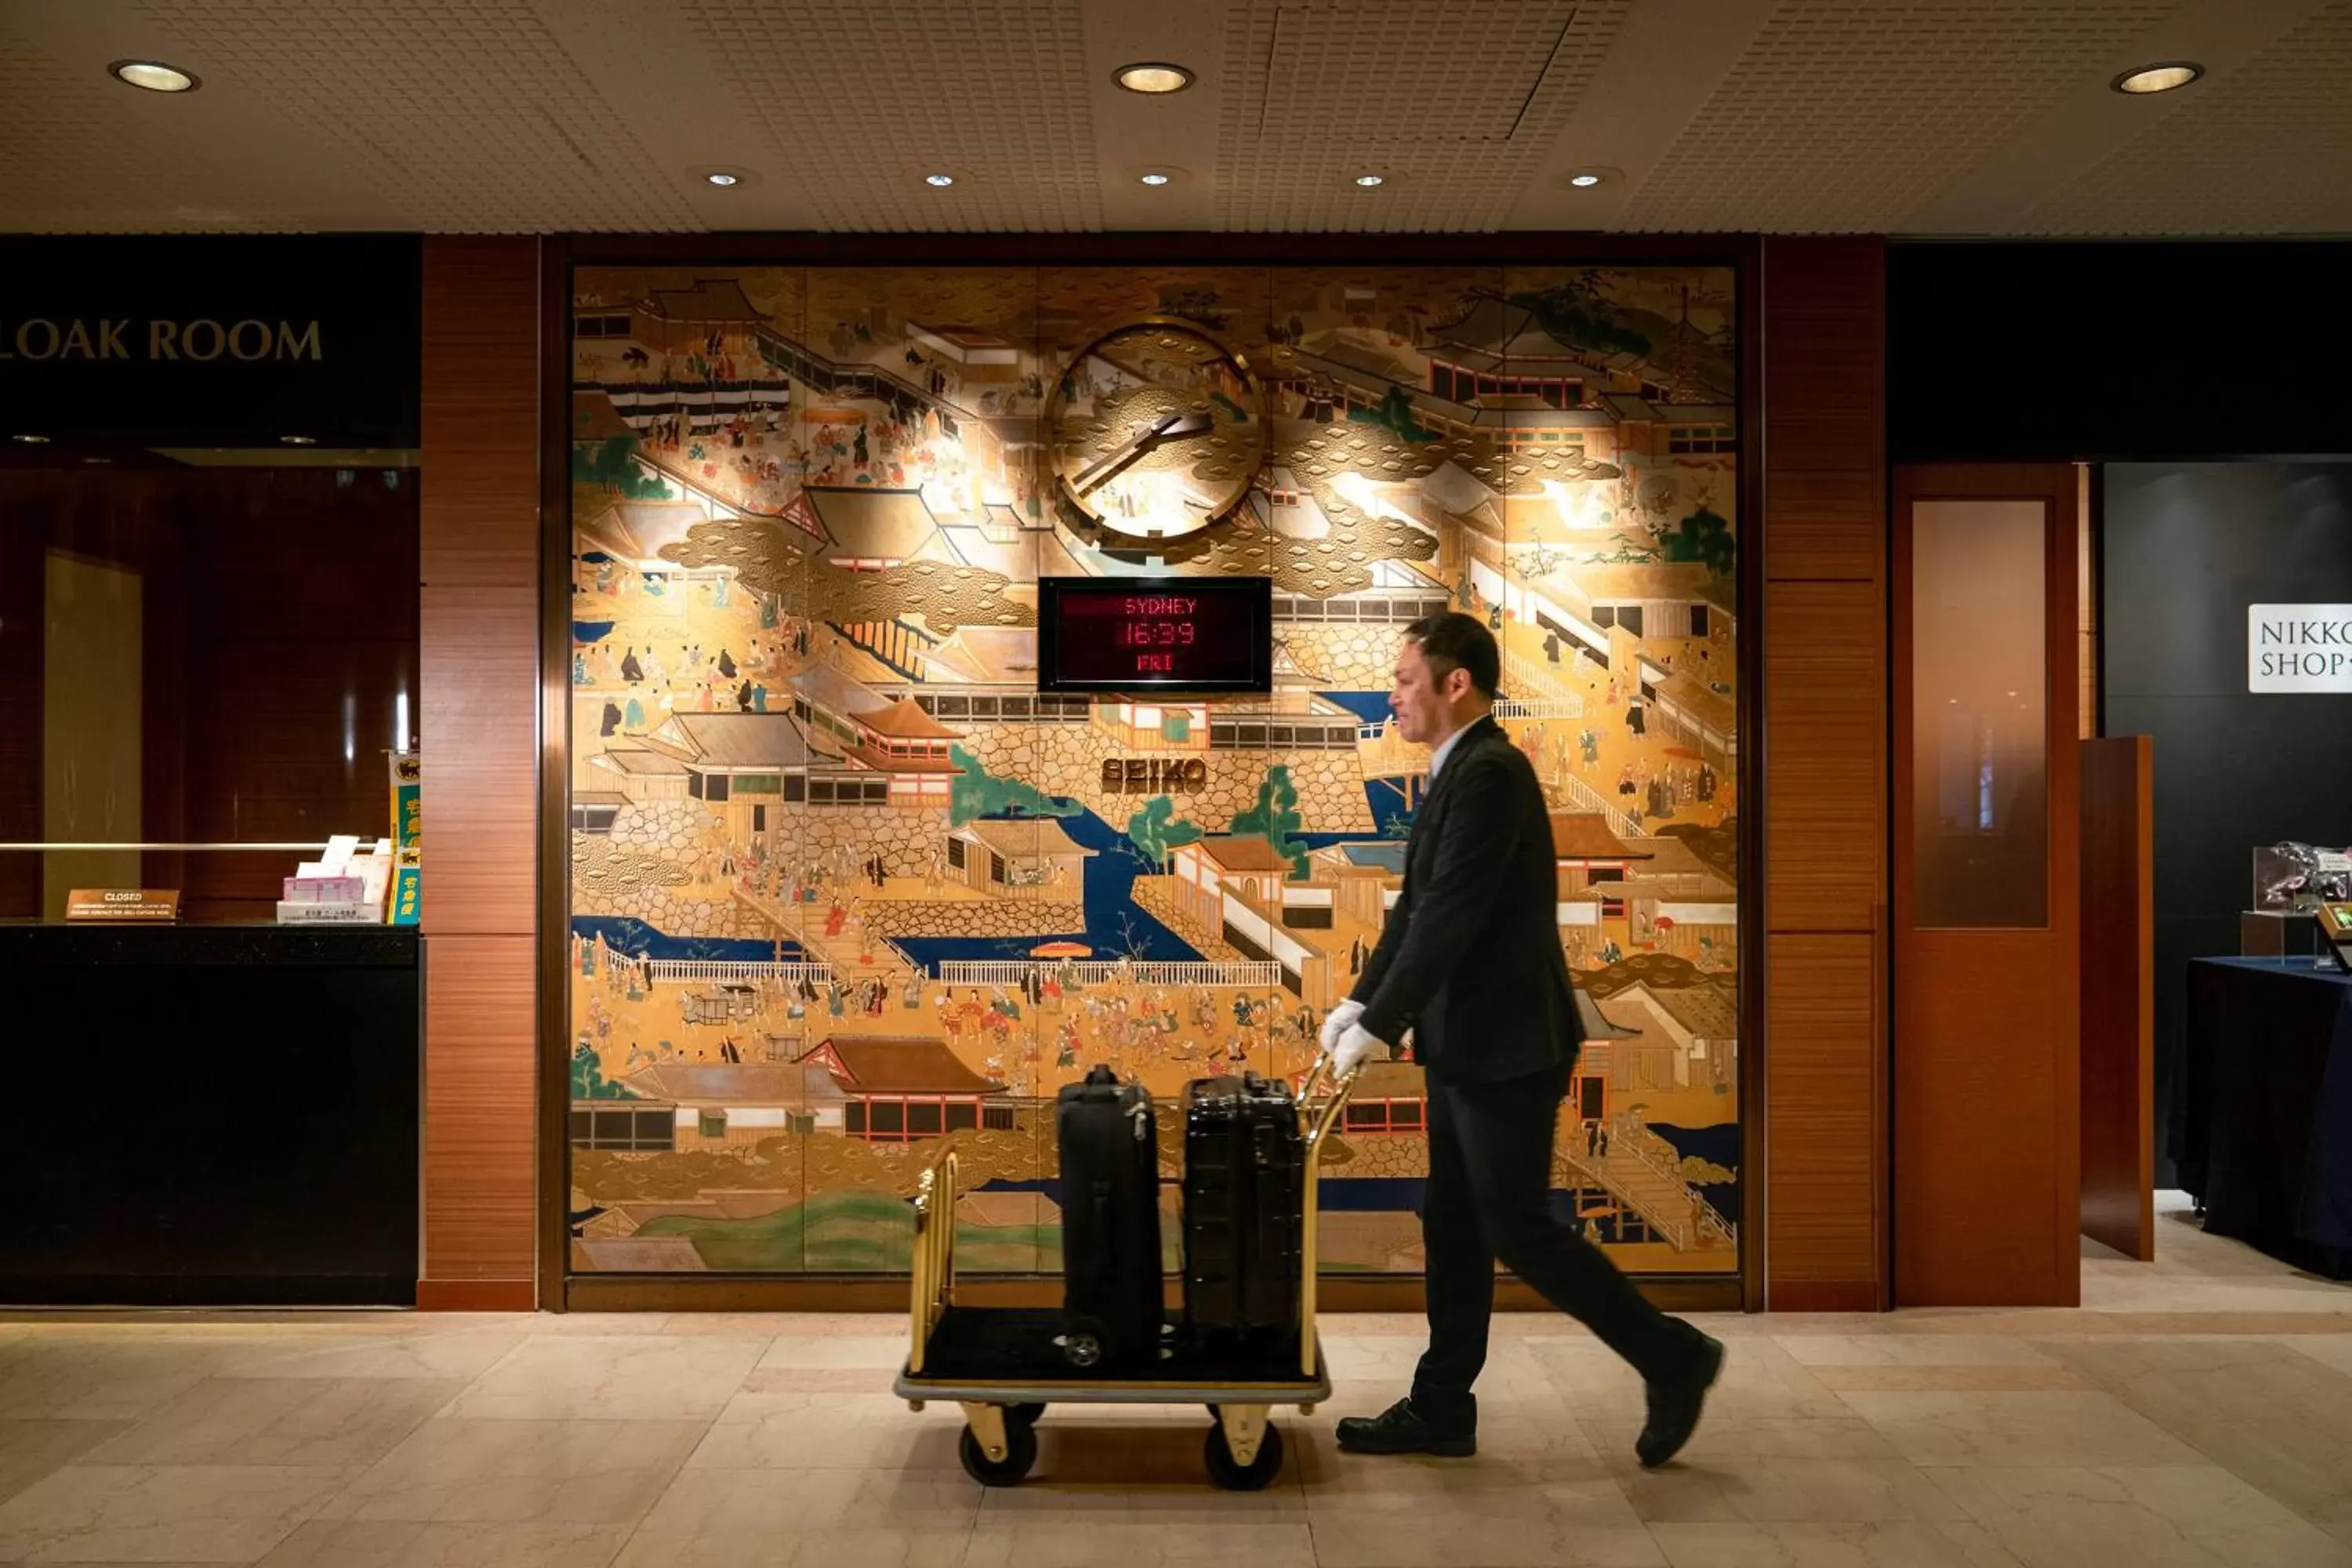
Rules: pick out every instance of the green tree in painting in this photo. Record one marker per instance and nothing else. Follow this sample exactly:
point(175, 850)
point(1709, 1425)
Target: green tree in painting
point(1705, 538)
point(1157, 832)
point(588, 1080)
point(1275, 818)
point(974, 793)
point(1394, 415)
point(611, 463)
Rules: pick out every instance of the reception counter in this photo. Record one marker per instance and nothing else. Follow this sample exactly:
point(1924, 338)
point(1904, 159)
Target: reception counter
point(211, 1115)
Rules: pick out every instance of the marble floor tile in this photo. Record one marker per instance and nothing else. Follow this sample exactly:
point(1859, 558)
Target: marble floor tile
point(1155, 1473)
point(172, 1513)
point(1818, 1350)
point(2272, 1415)
point(378, 1544)
point(465, 1354)
point(31, 1449)
point(2041, 1428)
point(1086, 1544)
point(2330, 1350)
point(1927, 1378)
point(636, 1377)
point(81, 1376)
point(1423, 1540)
point(1725, 1440)
point(1830, 1546)
point(884, 1353)
point(2137, 1517)
point(465, 1470)
point(739, 1502)
point(786, 1547)
point(828, 1431)
point(1757, 1491)
point(280, 1421)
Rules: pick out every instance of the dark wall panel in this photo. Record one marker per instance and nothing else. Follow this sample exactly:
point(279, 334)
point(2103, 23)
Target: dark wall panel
point(2186, 548)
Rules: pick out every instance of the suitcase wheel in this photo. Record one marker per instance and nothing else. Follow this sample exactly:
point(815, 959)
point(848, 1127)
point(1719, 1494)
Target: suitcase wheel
point(1230, 1473)
point(1020, 1453)
point(1081, 1350)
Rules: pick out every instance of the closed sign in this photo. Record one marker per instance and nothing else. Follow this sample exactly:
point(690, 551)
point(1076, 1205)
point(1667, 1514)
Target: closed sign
point(2299, 647)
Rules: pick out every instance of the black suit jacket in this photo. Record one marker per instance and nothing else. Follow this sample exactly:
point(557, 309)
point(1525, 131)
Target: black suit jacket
point(1470, 957)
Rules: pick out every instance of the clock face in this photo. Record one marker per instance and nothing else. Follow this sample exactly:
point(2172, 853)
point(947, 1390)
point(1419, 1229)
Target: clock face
point(1155, 431)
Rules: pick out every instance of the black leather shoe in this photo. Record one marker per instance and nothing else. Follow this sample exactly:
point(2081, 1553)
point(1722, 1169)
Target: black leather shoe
point(1400, 1429)
point(1674, 1405)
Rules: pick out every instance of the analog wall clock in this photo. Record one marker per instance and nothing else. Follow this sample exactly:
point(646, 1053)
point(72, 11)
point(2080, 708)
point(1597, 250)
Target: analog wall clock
point(1155, 430)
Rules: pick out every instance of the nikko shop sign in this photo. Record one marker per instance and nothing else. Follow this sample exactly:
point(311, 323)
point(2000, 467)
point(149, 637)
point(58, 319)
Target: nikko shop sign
point(2299, 647)
point(202, 340)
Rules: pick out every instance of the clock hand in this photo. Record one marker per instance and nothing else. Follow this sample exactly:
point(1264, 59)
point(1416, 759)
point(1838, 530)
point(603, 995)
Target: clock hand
point(1096, 473)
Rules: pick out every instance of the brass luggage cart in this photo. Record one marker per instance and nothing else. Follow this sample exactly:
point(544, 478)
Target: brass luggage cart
point(1004, 1366)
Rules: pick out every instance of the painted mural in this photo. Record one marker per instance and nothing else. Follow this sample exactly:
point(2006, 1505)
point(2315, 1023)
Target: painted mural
point(845, 884)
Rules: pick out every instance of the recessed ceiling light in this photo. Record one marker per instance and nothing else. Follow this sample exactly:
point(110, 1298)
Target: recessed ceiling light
point(1369, 181)
point(1153, 178)
point(720, 177)
point(300, 440)
point(1152, 77)
point(938, 182)
point(2162, 76)
point(32, 440)
point(154, 75)
point(1584, 181)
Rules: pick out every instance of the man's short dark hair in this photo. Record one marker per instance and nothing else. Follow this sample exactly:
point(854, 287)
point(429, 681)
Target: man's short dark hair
point(1450, 640)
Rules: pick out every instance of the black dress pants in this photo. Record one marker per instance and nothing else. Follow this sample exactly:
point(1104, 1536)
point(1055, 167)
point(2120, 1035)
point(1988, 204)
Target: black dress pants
point(1490, 1148)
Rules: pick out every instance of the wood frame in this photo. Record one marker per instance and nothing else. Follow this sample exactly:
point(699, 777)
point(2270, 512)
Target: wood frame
point(560, 1289)
point(1947, 1250)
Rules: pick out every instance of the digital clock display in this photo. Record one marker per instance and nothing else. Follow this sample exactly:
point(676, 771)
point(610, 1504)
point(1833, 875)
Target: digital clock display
point(1144, 634)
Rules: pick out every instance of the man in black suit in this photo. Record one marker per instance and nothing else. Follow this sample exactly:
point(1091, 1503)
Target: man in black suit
point(1470, 960)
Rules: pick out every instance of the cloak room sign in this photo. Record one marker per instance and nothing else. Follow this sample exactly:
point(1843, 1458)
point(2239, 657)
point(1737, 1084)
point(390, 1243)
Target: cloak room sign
point(202, 341)
point(2299, 647)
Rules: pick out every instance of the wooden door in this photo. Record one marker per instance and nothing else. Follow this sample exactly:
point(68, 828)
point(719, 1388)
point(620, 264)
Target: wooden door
point(1986, 1112)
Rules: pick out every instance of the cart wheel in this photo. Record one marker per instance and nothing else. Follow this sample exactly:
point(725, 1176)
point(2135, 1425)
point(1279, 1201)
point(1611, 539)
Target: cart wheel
point(1235, 1477)
point(1027, 1414)
point(1020, 1453)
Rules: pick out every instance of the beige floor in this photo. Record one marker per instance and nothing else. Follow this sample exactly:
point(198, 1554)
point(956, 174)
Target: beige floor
point(2197, 1411)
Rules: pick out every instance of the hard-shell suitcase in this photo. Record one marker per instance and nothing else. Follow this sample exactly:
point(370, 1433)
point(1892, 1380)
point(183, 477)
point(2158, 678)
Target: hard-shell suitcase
point(1111, 1302)
point(1244, 1201)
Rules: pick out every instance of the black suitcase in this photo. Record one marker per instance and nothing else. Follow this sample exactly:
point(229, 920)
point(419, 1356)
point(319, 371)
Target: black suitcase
point(1245, 1205)
point(1112, 1311)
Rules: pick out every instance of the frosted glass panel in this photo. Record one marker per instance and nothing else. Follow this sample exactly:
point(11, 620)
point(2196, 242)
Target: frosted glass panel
point(1979, 739)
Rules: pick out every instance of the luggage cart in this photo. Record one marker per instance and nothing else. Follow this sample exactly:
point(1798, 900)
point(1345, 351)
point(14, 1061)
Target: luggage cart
point(1003, 1364)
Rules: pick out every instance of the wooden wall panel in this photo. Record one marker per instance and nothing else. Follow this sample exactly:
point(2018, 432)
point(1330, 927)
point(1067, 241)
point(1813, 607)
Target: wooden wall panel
point(480, 1176)
point(1824, 766)
point(1825, 674)
point(478, 711)
point(2118, 781)
point(1828, 1088)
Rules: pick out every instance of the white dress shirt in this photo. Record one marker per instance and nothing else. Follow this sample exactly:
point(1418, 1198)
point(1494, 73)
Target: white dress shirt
point(1444, 748)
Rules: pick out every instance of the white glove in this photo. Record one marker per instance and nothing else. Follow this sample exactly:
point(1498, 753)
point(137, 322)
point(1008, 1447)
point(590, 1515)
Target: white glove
point(1355, 1048)
point(1342, 1018)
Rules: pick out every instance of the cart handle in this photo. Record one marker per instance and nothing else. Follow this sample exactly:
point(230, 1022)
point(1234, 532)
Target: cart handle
point(1318, 1078)
point(932, 1265)
point(1320, 1123)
